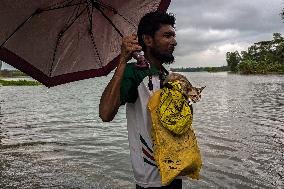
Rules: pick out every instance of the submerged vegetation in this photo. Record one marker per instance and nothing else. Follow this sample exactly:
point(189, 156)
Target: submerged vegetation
point(18, 74)
point(19, 83)
point(263, 57)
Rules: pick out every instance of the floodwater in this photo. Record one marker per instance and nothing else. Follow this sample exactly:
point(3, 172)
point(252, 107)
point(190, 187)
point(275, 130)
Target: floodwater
point(53, 137)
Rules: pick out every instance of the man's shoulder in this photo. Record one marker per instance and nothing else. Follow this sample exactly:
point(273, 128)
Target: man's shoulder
point(130, 66)
point(132, 71)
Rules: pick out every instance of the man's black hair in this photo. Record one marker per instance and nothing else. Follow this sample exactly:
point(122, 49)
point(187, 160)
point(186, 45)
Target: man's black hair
point(151, 22)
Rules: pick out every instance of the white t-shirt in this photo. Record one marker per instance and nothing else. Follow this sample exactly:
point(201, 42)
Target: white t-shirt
point(135, 82)
point(144, 166)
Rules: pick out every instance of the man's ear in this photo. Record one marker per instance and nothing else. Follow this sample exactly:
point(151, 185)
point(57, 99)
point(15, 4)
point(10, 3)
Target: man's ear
point(148, 40)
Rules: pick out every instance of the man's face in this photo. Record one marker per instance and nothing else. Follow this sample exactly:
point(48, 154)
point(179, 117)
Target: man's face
point(164, 43)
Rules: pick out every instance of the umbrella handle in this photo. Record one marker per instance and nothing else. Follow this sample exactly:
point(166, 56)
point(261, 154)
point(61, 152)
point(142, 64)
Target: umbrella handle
point(142, 62)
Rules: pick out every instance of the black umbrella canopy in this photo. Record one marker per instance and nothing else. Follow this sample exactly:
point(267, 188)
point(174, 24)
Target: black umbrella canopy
point(56, 42)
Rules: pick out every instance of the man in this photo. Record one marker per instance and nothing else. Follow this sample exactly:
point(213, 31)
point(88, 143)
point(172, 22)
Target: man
point(133, 86)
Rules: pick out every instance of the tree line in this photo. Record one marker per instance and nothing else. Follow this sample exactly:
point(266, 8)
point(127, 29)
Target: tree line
point(201, 69)
point(261, 58)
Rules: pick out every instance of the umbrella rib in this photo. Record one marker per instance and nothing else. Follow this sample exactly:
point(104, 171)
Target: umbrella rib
point(95, 46)
point(25, 21)
point(90, 16)
point(61, 7)
point(75, 12)
point(115, 12)
point(92, 34)
point(66, 2)
point(59, 39)
point(127, 20)
point(104, 5)
point(108, 19)
point(38, 11)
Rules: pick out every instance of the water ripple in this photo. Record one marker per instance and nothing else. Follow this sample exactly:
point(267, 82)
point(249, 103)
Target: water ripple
point(53, 138)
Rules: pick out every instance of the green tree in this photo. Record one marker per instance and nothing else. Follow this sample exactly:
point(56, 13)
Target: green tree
point(278, 45)
point(247, 66)
point(260, 58)
point(233, 59)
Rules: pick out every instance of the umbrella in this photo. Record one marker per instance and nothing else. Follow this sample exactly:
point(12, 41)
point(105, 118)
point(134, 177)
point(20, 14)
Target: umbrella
point(60, 41)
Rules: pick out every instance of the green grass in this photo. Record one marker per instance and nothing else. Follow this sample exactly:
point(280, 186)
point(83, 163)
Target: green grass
point(19, 83)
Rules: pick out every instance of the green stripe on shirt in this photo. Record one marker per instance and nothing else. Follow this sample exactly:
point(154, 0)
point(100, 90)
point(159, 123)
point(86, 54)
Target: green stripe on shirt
point(132, 78)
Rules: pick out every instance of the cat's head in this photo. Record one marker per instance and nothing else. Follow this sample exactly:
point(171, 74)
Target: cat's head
point(185, 84)
point(194, 93)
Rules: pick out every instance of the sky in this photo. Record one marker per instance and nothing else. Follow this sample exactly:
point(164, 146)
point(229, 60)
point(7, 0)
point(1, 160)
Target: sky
point(207, 29)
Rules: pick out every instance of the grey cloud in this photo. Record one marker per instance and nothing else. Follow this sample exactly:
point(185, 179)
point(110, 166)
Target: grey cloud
point(221, 14)
point(208, 24)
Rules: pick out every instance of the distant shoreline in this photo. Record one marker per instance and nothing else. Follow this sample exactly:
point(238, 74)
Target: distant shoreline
point(18, 83)
point(223, 69)
point(201, 69)
point(21, 79)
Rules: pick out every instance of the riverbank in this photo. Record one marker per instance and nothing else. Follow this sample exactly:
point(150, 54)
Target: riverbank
point(20, 82)
point(201, 69)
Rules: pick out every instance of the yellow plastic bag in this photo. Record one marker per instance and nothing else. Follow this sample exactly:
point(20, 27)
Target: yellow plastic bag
point(174, 111)
point(175, 154)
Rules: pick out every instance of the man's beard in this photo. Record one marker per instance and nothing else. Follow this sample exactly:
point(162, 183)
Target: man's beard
point(164, 58)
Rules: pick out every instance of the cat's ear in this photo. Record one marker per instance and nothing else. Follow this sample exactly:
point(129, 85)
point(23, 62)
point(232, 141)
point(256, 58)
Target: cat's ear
point(201, 88)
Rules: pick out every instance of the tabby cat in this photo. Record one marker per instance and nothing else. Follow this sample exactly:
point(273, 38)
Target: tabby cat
point(193, 93)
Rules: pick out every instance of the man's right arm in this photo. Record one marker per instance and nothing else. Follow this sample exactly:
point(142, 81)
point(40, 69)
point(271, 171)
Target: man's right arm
point(110, 99)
